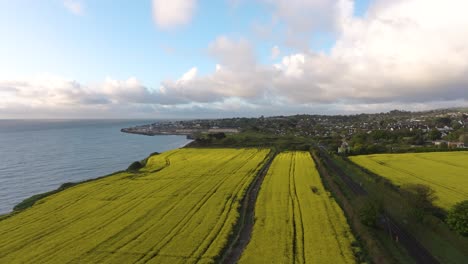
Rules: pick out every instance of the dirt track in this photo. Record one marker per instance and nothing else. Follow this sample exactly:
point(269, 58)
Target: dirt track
point(247, 218)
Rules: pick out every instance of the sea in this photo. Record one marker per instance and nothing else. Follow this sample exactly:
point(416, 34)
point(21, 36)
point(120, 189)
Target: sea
point(37, 156)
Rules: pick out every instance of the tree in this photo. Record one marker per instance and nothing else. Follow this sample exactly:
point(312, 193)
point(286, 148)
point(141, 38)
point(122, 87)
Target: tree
point(422, 195)
point(443, 145)
point(453, 136)
point(455, 125)
point(421, 198)
point(218, 136)
point(434, 134)
point(358, 148)
point(457, 218)
point(443, 121)
point(418, 138)
point(381, 135)
point(464, 138)
point(359, 138)
point(369, 213)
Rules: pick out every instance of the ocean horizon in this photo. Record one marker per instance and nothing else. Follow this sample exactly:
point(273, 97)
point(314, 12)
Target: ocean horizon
point(39, 155)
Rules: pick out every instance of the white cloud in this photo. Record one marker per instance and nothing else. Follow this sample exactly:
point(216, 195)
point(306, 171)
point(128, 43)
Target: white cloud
point(397, 54)
point(74, 6)
point(304, 17)
point(49, 91)
point(292, 66)
point(173, 13)
point(190, 75)
point(52, 96)
point(236, 55)
point(237, 75)
point(275, 52)
point(402, 54)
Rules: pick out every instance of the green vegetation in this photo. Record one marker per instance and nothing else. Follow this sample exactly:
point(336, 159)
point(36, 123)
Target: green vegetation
point(400, 141)
point(369, 213)
point(458, 218)
point(254, 139)
point(297, 221)
point(135, 166)
point(445, 173)
point(429, 228)
point(180, 208)
point(363, 212)
point(420, 199)
point(392, 132)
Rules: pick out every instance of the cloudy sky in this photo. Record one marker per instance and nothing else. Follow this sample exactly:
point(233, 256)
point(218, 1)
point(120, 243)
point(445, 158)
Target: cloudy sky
point(224, 58)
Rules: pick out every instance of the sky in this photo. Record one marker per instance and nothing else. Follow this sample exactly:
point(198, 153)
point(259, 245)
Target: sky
point(229, 58)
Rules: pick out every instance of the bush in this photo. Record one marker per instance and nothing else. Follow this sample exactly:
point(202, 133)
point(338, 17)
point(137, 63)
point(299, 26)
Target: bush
point(457, 218)
point(135, 166)
point(420, 198)
point(369, 213)
point(420, 195)
point(28, 202)
point(217, 136)
point(315, 190)
point(230, 141)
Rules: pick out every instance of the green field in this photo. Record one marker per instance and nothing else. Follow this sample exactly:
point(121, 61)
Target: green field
point(180, 208)
point(445, 172)
point(296, 219)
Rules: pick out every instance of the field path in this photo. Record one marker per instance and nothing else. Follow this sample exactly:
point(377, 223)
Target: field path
point(296, 219)
point(247, 218)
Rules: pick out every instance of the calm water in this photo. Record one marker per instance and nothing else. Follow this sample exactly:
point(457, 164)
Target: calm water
point(38, 156)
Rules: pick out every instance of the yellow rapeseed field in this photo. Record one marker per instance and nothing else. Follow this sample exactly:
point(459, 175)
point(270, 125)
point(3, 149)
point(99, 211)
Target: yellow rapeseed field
point(180, 208)
point(445, 172)
point(296, 219)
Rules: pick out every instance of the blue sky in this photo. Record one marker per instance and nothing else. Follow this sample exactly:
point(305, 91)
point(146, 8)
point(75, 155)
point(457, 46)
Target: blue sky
point(119, 38)
point(87, 42)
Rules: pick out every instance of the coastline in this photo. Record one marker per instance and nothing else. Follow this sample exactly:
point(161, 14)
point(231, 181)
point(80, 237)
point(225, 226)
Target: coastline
point(190, 130)
point(40, 155)
point(190, 136)
point(33, 199)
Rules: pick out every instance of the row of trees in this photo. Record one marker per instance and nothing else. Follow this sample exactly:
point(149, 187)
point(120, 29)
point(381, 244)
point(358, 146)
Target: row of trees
point(381, 141)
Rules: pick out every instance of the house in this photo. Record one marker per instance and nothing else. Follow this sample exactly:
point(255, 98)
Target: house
point(449, 144)
point(223, 130)
point(344, 148)
point(440, 143)
point(456, 144)
point(444, 129)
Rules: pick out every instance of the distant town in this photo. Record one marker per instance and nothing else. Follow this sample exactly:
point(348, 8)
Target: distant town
point(443, 128)
point(188, 128)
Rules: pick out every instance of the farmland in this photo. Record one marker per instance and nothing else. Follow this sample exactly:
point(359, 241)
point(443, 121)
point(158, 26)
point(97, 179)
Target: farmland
point(445, 172)
point(296, 219)
point(180, 208)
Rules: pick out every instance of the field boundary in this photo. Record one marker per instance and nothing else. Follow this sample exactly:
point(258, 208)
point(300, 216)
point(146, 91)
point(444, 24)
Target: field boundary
point(397, 187)
point(244, 226)
point(33, 199)
point(419, 253)
point(373, 249)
